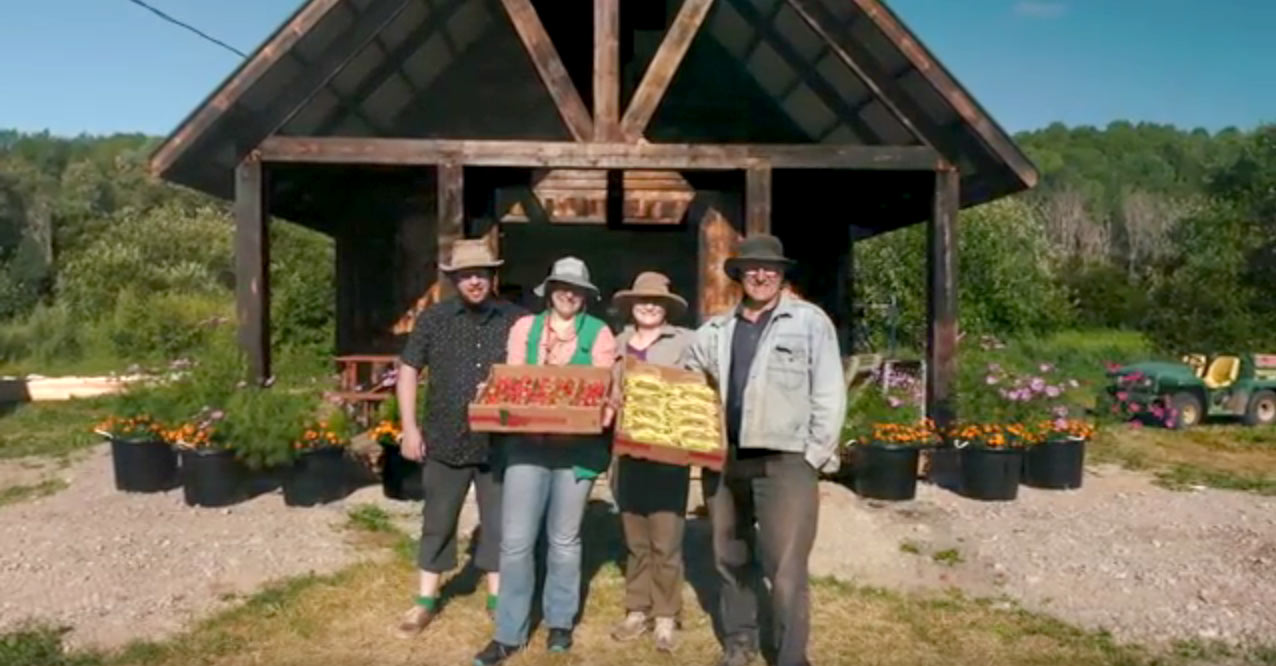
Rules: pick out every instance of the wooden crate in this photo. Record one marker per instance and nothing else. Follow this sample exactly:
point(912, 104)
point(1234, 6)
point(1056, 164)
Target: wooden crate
point(626, 445)
point(545, 420)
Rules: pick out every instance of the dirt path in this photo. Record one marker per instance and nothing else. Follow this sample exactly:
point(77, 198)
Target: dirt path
point(1146, 563)
point(118, 566)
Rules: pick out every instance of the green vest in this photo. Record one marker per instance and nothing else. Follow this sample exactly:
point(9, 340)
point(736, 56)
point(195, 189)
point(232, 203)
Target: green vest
point(592, 458)
point(587, 330)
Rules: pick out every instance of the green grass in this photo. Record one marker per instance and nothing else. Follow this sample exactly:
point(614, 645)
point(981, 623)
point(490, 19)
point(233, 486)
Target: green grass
point(910, 548)
point(40, 645)
point(1229, 457)
point(370, 517)
point(54, 428)
point(950, 556)
point(22, 493)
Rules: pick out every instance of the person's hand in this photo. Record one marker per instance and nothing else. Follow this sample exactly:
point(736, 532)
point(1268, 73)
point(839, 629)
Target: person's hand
point(412, 446)
point(609, 413)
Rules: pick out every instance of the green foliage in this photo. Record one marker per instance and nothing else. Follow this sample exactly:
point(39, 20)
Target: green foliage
point(52, 428)
point(303, 279)
point(40, 645)
point(165, 325)
point(262, 423)
point(1005, 282)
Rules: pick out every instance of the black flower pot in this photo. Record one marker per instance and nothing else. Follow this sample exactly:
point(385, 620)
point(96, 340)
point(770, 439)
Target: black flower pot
point(143, 465)
point(990, 474)
point(318, 476)
point(213, 477)
point(886, 471)
point(400, 477)
point(1057, 464)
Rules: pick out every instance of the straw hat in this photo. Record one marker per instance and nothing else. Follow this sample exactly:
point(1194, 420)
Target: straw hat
point(649, 285)
point(568, 270)
point(757, 248)
point(473, 253)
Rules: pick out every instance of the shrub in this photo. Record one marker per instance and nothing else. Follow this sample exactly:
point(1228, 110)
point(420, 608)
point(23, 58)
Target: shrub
point(165, 326)
point(261, 424)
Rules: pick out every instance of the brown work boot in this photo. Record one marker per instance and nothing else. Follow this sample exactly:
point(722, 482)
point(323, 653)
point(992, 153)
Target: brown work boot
point(634, 625)
point(415, 620)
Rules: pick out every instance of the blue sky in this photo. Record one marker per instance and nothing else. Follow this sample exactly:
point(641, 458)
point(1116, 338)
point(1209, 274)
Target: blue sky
point(101, 66)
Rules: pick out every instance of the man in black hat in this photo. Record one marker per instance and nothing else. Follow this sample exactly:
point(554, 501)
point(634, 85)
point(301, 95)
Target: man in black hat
point(776, 362)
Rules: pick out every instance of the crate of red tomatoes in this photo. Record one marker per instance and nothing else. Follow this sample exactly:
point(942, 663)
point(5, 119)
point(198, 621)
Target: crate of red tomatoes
point(542, 399)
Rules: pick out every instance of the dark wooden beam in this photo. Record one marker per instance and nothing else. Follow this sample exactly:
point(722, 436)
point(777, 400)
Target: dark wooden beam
point(451, 202)
point(572, 155)
point(844, 295)
point(199, 122)
point(393, 60)
point(837, 35)
point(655, 81)
point(935, 72)
point(941, 281)
point(550, 66)
point(252, 267)
point(805, 70)
point(757, 199)
point(606, 70)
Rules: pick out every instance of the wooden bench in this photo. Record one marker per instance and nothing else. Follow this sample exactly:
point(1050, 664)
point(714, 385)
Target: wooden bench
point(359, 382)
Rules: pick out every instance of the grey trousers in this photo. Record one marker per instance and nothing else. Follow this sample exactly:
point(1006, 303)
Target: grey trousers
point(780, 493)
point(445, 489)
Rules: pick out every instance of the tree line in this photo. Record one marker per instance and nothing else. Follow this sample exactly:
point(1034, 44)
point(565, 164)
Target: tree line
point(1143, 227)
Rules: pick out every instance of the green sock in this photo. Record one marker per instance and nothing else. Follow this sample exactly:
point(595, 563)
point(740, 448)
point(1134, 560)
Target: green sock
point(428, 603)
point(491, 601)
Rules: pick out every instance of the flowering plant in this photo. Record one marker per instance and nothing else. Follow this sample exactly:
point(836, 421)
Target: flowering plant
point(141, 426)
point(386, 433)
point(1073, 428)
point(201, 433)
point(994, 435)
point(916, 434)
point(1119, 402)
point(319, 435)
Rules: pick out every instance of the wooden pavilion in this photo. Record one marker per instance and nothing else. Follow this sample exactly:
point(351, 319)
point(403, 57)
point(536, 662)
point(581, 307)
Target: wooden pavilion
point(648, 134)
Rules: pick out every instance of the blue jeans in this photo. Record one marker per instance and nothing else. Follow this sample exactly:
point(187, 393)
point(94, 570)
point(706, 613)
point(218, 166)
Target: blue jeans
point(534, 491)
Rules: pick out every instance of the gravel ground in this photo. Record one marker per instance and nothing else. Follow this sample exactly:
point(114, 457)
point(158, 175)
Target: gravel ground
point(118, 566)
point(1121, 554)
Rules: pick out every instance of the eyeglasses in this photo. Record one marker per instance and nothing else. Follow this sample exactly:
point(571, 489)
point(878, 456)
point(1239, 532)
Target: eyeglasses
point(761, 271)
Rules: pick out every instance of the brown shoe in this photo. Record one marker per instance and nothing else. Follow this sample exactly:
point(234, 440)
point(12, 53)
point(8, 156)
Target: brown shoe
point(414, 621)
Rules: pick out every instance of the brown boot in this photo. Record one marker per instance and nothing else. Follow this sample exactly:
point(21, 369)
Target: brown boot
point(415, 620)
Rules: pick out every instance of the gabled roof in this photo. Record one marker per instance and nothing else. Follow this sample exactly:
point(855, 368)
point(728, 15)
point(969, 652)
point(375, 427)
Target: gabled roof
point(782, 71)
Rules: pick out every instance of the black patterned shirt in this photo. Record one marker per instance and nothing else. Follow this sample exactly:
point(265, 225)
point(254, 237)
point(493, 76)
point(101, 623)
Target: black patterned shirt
point(458, 344)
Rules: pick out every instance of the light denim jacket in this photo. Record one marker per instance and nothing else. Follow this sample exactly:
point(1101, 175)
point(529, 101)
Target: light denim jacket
point(795, 399)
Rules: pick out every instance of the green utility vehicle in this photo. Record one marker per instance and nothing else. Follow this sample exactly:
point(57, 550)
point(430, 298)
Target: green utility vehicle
point(1228, 385)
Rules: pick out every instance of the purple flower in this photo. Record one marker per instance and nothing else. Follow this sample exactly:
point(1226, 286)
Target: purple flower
point(1135, 408)
point(1053, 391)
point(1060, 424)
point(1037, 385)
point(1060, 411)
point(991, 379)
point(1122, 396)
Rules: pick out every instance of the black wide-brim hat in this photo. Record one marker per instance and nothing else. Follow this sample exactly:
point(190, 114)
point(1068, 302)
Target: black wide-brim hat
point(757, 248)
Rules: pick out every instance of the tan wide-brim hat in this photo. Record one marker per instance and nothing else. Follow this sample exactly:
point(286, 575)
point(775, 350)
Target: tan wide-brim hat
point(473, 253)
point(649, 285)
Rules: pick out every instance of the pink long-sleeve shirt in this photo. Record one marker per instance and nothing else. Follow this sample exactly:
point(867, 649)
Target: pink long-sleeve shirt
point(556, 350)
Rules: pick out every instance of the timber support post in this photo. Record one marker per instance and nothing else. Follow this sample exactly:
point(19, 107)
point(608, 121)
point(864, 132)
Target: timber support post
point(451, 218)
point(252, 266)
point(941, 282)
point(757, 199)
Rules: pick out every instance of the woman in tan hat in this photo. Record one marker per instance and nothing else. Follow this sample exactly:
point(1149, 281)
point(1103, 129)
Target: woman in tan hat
point(651, 496)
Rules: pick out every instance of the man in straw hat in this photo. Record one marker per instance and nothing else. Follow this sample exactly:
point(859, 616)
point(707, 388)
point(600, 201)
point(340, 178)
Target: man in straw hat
point(459, 339)
point(776, 362)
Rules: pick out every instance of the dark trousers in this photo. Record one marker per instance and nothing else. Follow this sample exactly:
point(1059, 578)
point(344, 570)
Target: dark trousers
point(780, 493)
point(652, 498)
point(445, 489)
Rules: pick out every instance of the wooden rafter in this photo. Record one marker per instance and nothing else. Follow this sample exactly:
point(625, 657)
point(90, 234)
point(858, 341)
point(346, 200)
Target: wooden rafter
point(606, 70)
point(578, 155)
point(655, 81)
point(550, 67)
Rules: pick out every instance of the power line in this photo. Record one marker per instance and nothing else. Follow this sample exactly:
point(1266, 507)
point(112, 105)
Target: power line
point(190, 27)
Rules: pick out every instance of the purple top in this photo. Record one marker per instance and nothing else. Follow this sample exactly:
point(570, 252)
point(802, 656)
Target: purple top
point(640, 354)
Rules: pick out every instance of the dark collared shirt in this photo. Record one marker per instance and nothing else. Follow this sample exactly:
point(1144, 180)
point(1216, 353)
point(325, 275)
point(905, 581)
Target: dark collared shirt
point(459, 344)
point(744, 346)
